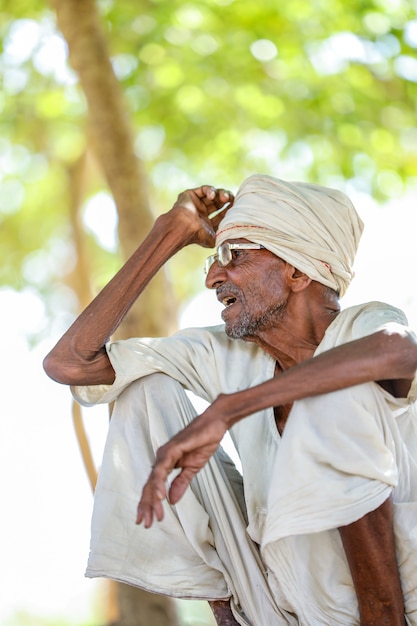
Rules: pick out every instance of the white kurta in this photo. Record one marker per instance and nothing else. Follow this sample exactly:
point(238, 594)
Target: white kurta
point(341, 456)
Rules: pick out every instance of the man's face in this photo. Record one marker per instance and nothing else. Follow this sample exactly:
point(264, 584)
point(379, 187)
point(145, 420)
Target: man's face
point(253, 289)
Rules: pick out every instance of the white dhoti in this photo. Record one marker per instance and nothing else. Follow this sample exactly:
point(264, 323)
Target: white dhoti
point(343, 454)
point(321, 479)
point(201, 548)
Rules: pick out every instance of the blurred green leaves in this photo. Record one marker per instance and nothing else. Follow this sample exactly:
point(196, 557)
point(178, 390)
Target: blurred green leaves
point(324, 91)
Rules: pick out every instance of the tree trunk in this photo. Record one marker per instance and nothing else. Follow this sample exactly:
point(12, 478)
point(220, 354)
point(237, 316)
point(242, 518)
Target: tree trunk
point(126, 605)
point(140, 608)
point(111, 139)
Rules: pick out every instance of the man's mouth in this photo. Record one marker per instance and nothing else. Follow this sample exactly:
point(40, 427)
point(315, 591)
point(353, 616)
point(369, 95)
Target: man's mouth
point(227, 295)
point(228, 300)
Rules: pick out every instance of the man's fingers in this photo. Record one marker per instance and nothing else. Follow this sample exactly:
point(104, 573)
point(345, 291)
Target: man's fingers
point(225, 195)
point(180, 484)
point(210, 195)
point(150, 506)
point(189, 450)
point(206, 207)
point(206, 192)
point(153, 494)
point(217, 212)
point(223, 198)
point(154, 491)
point(148, 509)
point(226, 199)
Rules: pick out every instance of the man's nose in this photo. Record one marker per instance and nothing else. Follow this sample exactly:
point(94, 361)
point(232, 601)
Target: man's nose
point(215, 276)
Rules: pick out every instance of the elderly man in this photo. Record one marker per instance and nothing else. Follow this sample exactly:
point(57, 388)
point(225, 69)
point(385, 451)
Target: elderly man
point(320, 404)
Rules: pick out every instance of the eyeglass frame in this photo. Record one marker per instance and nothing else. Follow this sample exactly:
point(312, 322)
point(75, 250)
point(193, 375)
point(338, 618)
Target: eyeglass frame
point(224, 253)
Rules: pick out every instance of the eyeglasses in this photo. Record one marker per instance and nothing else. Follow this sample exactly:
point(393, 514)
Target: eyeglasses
point(224, 253)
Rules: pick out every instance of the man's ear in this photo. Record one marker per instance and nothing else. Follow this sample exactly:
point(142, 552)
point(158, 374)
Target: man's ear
point(297, 280)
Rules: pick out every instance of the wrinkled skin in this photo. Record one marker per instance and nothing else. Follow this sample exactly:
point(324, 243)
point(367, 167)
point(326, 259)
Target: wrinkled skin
point(289, 328)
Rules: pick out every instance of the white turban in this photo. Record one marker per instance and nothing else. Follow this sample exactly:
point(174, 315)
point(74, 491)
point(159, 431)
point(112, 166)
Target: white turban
point(314, 228)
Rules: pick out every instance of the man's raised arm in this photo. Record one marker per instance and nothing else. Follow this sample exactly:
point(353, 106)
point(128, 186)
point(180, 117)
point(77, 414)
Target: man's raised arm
point(80, 357)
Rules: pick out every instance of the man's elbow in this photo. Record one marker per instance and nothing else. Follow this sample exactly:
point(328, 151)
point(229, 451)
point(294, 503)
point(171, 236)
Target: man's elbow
point(78, 371)
point(67, 368)
point(58, 370)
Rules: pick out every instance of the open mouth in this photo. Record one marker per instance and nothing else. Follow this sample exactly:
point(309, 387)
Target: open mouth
point(228, 301)
point(228, 295)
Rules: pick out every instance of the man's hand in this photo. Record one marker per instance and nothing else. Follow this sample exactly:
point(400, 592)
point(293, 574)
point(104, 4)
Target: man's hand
point(201, 210)
point(190, 450)
point(80, 356)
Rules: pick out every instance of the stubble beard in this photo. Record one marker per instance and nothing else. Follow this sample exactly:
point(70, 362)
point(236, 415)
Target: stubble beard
point(252, 325)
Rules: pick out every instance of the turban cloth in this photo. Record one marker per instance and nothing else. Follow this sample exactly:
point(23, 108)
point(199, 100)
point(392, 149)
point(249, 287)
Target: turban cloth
point(313, 228)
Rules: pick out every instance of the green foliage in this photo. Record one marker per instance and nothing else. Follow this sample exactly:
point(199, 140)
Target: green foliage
point(323, 90)
point(306, 88)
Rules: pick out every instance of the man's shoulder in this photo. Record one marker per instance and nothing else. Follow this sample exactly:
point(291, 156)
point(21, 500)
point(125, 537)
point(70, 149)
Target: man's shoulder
point(360, 320)
point(374, 310)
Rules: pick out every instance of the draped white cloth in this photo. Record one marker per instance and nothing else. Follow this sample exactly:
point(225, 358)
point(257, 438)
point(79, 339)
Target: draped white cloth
point(314, 228)
point(201, 548)
point(341, 456)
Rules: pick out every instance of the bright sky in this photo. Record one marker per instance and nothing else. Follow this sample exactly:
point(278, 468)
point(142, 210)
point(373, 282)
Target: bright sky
point(46, 499)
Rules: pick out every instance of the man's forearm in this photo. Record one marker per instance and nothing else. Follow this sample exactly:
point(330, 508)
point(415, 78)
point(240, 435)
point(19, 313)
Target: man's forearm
point(79, 357)
point(380, 356)
point(370, 550)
